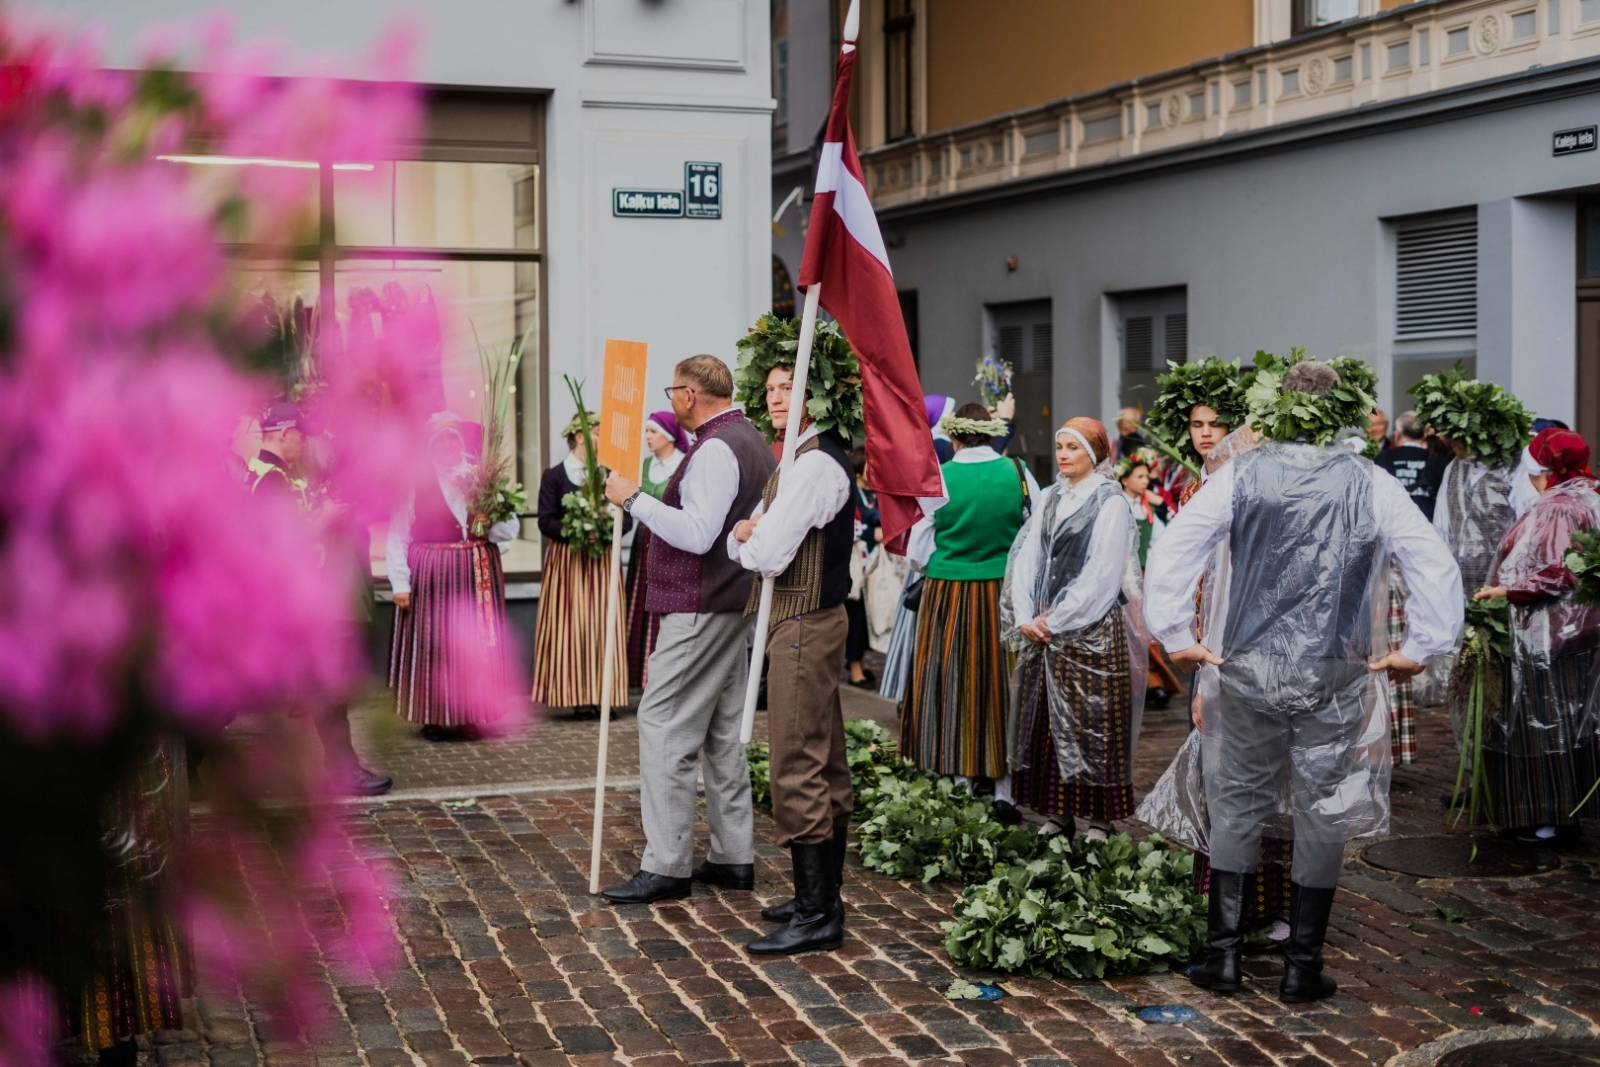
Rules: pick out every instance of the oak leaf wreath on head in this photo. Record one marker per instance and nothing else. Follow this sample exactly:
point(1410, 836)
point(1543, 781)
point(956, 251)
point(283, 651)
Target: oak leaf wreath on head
point(833, 384)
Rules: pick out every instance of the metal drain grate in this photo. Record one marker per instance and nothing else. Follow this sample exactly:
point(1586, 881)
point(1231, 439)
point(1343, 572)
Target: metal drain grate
point(1451, 857)
point(1529, 1052)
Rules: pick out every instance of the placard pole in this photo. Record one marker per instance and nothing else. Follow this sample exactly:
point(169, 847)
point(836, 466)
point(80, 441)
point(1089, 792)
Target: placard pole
point(613, 595)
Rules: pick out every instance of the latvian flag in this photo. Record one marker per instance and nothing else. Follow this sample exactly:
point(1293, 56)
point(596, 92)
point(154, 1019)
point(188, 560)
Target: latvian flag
point(845, 255)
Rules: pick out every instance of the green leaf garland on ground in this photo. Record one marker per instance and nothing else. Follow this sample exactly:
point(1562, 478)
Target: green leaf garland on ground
point(1481, 417)
point(833, 385)
point(1298, 416)
point(1034, 905)
point(1211, 382)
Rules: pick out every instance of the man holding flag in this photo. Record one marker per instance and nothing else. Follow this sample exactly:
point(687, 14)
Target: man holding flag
point(799, 541)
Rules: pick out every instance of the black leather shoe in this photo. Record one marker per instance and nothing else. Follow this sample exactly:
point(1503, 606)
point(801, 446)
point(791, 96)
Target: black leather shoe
point(1224, 932)
point(782, 913)
point(727, 875)
point(1303, 980)
point(365, 783)
point(1158, 698)
point(816, 925)
point(1007, 813)
point(432, 732)
point(647, 888)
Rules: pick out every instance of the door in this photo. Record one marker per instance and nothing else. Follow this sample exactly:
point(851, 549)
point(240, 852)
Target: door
point(1021, 335)
point(1153, 330)
point(1588, 383)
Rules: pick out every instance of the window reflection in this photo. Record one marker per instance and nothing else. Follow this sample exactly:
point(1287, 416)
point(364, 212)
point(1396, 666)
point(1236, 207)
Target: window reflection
point(429, 204)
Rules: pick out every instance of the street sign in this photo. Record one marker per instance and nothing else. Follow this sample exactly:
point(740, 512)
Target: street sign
point(1569, 142)
point(702, 188)
point(647, 203)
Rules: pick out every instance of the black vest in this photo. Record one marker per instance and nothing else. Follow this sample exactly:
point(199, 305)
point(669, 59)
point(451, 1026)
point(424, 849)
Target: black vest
point(819, 575)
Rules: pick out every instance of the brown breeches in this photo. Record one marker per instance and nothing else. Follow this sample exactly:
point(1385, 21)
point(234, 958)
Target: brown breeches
point(805, 725)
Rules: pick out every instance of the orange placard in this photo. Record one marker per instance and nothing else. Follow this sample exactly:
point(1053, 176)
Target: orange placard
point(620, 441)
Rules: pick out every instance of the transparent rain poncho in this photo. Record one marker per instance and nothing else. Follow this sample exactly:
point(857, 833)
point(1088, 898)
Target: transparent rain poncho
point(1555, 660)
point(1092, 677)
point(1472, 512)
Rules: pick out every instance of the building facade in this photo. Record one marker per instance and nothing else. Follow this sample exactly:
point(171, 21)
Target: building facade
point(1408, 185)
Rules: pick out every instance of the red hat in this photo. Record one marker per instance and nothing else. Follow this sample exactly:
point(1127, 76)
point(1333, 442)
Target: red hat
point(1563, 453)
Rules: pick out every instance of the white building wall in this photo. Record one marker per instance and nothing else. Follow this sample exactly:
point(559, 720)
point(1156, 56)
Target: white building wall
point(636, 89)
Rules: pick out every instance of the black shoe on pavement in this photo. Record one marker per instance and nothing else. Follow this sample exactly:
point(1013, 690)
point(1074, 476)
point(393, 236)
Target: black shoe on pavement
point(365, 783)
point(1158, 698)
point(782, 913)
point(1007, 813)
point(816, 925)
point(468, 732)
point(1224, 932)
point(1303, 980)
point(740, 876)
point(647, 888)
point(431, 732)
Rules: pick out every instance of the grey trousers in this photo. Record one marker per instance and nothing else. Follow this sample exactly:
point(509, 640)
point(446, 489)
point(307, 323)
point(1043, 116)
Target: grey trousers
point(689, 717)
point(1285, 725)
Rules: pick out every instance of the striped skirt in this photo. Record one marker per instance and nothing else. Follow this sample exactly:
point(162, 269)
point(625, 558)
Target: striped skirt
point(1105, 729)
point(569, 640)
point(448, 665)
point(1531, 787)
point(902, 648)
point(643, 626)
point(954, 717)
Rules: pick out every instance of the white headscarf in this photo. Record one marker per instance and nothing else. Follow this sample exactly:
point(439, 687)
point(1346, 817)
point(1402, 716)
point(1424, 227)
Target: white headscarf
point(1523, 491)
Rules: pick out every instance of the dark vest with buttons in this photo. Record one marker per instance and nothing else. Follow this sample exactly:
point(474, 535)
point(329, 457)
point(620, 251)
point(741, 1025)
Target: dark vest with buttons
point(819, 575)
point(682, 582)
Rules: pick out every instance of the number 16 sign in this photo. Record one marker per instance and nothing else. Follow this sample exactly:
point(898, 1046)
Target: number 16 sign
point(702, 188)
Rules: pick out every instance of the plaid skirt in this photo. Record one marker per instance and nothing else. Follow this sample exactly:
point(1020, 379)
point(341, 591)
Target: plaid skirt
point(1529, 787)
point(1107, 733)
point(448, 660)
point(1271, 898)
point(1402, 697)
point(954, 717)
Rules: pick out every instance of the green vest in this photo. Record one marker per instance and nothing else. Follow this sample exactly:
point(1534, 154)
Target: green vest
point(974, 531)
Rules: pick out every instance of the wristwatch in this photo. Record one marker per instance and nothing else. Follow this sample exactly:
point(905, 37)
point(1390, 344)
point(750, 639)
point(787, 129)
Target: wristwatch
point(627, 505)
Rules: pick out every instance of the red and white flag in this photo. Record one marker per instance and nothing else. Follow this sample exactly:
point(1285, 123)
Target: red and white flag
point(845, 254)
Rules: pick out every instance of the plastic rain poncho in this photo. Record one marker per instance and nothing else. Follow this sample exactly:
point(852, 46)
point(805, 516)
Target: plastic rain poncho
point(1472, 513)
point(1555, 661)
point(1051, 568)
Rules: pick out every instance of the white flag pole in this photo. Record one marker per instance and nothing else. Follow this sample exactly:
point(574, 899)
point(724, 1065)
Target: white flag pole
point(791, 440)
point(613, 584)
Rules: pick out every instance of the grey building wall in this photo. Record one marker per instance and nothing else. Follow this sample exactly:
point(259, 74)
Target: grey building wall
point(1281, 239)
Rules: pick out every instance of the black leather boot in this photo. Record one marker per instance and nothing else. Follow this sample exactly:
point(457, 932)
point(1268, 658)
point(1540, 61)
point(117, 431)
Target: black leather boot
point(782, 913)
point(1302, 956)
point(1224, 932)
point(816, 924)
point(726, 875)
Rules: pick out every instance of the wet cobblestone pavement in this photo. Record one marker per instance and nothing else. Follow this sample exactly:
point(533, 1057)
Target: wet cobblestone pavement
point(509, 962)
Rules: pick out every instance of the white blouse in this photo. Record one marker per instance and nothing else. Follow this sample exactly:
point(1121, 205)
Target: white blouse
point(1094, 592)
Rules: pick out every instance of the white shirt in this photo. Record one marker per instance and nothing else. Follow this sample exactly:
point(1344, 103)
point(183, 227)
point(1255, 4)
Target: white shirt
point(809, 494)
point(921, 546)
point(1157, 527)
point(1433, 581)
point(1093, 592)
point(662, 469)
point(399, 539)
point(705, 493)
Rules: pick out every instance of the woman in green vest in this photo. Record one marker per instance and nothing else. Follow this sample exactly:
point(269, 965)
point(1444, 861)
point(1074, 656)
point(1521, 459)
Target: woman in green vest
point(953, 720)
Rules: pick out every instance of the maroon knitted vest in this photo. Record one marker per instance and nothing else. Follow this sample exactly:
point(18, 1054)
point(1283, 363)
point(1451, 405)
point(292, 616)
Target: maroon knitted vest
point(680, 581)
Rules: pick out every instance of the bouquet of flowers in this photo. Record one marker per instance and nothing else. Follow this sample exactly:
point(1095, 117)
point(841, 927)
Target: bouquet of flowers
point(585, 518)
point(993, 381)
point(494, 493)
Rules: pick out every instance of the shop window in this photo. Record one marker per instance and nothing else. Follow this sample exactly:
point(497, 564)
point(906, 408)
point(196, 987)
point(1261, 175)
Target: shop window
point(1309, 14)
point(899, 28)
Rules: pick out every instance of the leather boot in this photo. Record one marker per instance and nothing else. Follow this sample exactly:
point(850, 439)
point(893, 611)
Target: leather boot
point(1302, 956)
point(726, 875)
point(1224, 932)
point(782, 913)
point(816, 924)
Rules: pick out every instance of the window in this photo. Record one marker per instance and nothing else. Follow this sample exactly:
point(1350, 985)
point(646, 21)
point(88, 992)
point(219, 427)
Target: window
point(1424, 48)
point(1366, 62)
point(966, 159)
point(1456, 42)
point(1291, 81)
point(1261, 86)
point(1399, 56)
point(780, 74)
point(1552, 16)
point(1436, 277)
point(899, 25)
point(1216, 97)
point(1588, 10)
point(936, 164)
point(1037, 143)
point(1241, 94)
point(997, 151)
point(1524, 24)
point(1343, 68)
point(1152, 116)
point(1099, 129)
point(1197, 105)
point(1309, 14)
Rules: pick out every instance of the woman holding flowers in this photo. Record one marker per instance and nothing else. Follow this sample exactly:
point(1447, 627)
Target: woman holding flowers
point(1081, 659)
point(1543, 754)
point(667, 444)
point(569, 638)
point(954, 717)
point(449, 593)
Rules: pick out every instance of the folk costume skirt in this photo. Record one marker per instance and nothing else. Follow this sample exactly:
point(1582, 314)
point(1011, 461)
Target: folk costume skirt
point(954, 717)
point(1529, 786)
point(449, 663)
point(569, 640)
point(1402, 695)
point(1107, 732)
point(643, 626)
point(1271, 898)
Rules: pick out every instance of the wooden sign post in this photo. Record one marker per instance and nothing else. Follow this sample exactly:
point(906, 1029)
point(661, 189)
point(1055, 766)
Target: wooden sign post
point(618, 442)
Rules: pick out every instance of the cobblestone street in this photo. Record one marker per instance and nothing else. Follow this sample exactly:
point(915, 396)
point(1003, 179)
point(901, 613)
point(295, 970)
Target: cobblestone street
point(509, 961)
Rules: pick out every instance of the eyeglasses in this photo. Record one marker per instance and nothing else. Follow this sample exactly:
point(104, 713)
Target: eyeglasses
point(669, 390)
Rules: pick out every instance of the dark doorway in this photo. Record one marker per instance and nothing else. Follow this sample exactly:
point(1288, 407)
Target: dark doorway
point(908, 312)
point(1021, 334)
point(1588, 383)
point(1152, 331)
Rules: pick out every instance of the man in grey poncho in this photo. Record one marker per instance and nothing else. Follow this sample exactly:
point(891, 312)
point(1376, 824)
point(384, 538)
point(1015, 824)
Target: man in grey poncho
point(1295, 710)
